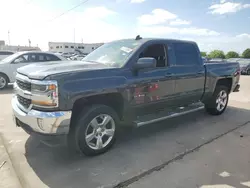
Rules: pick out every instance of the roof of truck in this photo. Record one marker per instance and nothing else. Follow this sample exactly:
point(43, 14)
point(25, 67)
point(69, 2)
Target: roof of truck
point(143, 40)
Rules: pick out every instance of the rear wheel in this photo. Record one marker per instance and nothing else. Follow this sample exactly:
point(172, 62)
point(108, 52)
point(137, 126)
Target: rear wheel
point(218, 102)
point(3, 81)
point(95, 130)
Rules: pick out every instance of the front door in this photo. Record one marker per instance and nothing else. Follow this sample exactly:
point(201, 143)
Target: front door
point(152, 88)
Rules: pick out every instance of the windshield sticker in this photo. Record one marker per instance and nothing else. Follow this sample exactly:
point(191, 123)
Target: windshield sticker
point(126, 49)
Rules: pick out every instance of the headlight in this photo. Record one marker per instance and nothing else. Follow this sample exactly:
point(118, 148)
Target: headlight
point(44, 94)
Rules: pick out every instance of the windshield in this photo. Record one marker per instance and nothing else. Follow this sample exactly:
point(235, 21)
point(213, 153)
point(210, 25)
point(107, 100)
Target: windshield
point(10, 58)
point(113, 54)
point(244, 62)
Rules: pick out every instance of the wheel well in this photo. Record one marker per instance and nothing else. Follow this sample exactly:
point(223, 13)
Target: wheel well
point(225, 82)
point(1, 73)
point(113, 100)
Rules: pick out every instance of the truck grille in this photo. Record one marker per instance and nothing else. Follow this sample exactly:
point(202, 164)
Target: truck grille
point(23, 85)
point(23, 101)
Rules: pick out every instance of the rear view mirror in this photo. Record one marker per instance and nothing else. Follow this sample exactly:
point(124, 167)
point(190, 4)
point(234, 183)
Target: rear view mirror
point(145, 62)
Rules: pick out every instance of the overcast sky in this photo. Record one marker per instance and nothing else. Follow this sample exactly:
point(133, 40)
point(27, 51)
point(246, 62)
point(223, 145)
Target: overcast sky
point(215, 24)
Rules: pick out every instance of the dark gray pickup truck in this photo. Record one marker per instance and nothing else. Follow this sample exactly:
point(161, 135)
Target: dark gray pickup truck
point(125, 82)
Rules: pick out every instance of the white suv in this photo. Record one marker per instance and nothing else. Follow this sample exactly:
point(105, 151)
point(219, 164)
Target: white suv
point(10, 64)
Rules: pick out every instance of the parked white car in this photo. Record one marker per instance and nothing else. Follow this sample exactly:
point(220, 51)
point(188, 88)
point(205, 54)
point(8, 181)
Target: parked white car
point(9, 65)
point(4, 54)
point(77, 57)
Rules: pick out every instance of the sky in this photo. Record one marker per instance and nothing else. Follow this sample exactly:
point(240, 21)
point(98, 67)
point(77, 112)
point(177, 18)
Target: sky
point(213, 24)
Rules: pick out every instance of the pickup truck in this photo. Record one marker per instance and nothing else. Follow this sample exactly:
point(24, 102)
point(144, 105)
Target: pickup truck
point(125, 82)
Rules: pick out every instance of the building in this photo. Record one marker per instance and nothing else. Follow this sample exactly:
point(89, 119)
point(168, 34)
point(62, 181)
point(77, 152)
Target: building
point(17, 48)
point(69, 47)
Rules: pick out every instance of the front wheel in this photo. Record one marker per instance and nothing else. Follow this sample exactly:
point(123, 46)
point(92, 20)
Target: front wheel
point(95, 130)
point(218, 102)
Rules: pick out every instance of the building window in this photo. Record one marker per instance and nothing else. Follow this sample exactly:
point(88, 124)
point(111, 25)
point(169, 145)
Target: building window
point(82, 47)
point(66, 47)
point(60, 46)
point(93, 48)
point(72, 46)
point(57, 47)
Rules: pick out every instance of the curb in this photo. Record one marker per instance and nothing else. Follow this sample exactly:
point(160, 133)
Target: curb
point(12, 168)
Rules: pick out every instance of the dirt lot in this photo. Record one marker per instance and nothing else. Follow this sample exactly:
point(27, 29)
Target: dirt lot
point(166, 154)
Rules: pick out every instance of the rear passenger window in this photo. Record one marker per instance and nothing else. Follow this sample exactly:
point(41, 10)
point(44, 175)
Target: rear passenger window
point(186, 54)
point(50, 57)
point(41, 57)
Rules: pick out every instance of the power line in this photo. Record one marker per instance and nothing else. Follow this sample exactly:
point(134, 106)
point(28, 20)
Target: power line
point(81, 3)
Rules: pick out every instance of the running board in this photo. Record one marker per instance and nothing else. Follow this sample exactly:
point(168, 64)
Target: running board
point(168, 116)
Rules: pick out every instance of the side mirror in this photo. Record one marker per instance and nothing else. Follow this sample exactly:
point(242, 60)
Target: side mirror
point(145, 62)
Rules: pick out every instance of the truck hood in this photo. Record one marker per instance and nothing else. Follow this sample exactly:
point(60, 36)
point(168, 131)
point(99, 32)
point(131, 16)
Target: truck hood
point(42, 70)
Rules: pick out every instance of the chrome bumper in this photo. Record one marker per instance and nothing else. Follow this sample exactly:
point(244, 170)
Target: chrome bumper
point(47, 123)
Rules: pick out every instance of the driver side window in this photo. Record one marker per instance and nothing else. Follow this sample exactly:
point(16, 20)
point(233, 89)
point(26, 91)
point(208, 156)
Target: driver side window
point(156, 51)
point(21, 59)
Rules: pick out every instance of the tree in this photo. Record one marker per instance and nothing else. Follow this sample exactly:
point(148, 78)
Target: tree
point(246, 53)
point(203, 54)
point(217, 54)
point(232, 54)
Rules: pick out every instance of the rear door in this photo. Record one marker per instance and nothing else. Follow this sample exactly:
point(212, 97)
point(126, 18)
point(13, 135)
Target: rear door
point(153, 88)
point(189, 73)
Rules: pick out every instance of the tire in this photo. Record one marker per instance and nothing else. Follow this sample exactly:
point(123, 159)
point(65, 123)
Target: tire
point(248, 72)
point(3, 81)
point(212, 106)
point(84, 128)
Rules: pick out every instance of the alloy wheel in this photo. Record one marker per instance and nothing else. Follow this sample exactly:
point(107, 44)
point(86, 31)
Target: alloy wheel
point(100, 131)
point(221, 100)
point(3, 82)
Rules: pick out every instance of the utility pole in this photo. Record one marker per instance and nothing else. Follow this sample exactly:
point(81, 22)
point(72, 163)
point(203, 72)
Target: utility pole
point(74, 36)
point(9, 37)
point(29, 42)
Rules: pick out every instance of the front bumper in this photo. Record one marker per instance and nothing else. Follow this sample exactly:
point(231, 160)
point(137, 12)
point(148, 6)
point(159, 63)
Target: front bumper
point(46, 123)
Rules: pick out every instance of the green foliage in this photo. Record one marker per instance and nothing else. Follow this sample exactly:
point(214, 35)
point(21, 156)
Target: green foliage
point(232, 54)
point(216, 54)
point(246, 53)
point(203, 54)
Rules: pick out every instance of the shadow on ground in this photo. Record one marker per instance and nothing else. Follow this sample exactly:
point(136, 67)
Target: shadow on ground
point(136, 150)
point(7, 90)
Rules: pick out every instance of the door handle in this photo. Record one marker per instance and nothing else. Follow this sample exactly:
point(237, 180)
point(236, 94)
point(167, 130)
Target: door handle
point(169, 74)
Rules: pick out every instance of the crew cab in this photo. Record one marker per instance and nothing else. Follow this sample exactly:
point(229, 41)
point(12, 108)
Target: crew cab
point(10, 64)
point(125, 82)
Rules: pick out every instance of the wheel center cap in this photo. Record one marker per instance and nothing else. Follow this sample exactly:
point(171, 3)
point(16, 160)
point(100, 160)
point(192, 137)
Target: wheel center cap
point(98, 130)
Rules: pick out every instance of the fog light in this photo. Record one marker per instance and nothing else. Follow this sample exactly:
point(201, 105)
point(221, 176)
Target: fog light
point(40, 123)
